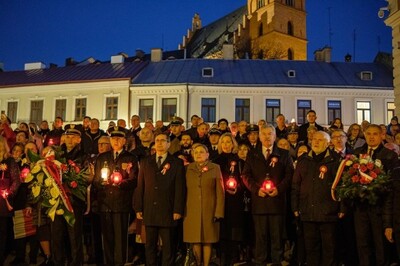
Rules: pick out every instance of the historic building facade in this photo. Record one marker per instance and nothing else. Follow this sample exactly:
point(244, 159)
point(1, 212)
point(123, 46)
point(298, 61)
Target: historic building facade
point(263, 29)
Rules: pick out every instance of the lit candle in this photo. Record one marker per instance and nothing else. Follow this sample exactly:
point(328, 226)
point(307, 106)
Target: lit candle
point(268, 185)
point(105, 171)
point(24, 173)
point(231, 183)
point(116, 177)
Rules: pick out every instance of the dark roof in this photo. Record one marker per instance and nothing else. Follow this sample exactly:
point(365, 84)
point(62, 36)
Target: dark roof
point(266, 72)
point(209, 39)
point(90, 72)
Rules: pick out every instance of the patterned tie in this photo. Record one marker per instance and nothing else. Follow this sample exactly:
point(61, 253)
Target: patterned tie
point(159, 161)
point(267, 154)
point(370, 152)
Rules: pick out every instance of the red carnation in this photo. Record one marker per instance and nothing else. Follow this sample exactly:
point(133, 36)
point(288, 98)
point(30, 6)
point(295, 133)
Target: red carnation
point(356, 165)
point(352, 171)
point(74, 184)
point(373, 175)
point(370, 166)
point(363, 168)
point(355, 179)
point(377, 171)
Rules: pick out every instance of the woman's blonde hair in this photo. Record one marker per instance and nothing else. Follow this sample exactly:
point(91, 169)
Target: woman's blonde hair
point(234, 142)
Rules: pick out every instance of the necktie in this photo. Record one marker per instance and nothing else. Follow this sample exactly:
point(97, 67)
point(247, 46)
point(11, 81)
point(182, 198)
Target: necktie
point(267, 154)
point(370, 152)
point(115, 155)
point(159, 161)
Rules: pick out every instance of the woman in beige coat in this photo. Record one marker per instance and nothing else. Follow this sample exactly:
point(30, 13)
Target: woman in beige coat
point(204, 204)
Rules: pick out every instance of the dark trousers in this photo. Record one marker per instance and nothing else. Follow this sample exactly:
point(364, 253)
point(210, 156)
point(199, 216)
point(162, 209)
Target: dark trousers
point(268, 226)
point(20, 248)
point(62, 232)
point(369, 235)
point(4, 227)
point(114, 228)
point(346, 241)
point(167, 239)
point(319, 238)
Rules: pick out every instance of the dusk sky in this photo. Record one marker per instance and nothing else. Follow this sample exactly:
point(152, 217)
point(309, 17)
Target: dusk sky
point(50, 31)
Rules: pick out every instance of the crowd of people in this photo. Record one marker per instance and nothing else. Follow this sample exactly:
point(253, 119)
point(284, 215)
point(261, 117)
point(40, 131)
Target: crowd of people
point(218, 194)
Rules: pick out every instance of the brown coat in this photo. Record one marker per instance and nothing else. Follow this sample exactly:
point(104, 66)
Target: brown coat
point(205, 201)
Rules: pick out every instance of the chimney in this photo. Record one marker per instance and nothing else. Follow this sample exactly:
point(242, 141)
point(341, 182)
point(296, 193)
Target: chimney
point(117, 59)
point(347, 58)
point(323, 55)
point(156, 54)
point(35, 65)
point(140, 53)
point(227, 51)
point(70, 62)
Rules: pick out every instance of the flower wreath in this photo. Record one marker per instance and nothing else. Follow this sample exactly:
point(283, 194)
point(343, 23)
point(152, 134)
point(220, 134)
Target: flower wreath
point(363, 179)
point(52, 183)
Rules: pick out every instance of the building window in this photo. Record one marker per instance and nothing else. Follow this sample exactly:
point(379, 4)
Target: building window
point(146, 108)
point(363, 112)
point(80, 109)
point(260, 3)
point(242, 110)
point(168, 108)
point(273, 108)
point(260, 29)
point(366, 75)
point(111, 108)
point(61, 108)
point(303, 106)
point(290, 2)
point(290, 28)
point(290, 55)
point(208, 109)
point(390, 111)
point(12, 108)
point(334, 110)
point(36, 111)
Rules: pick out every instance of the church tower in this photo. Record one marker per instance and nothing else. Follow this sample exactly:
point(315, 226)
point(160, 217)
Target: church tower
point(276, 29)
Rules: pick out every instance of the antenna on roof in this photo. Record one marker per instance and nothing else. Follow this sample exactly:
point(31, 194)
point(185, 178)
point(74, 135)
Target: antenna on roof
point(330, 33)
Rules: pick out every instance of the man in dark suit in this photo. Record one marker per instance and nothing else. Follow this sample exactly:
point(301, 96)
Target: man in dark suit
point(268, 205)
point(311, 118)
point(114, 196)
point(253, 137)
point(160, 199)
point(369, 225)
point(312, 202)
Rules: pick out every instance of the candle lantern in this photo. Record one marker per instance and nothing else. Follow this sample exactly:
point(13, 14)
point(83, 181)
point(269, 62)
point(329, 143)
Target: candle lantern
point(268, 185)
point(231, 183)
point(105, 171)
point(116, 177)
point(24, 173)
point(51, 142)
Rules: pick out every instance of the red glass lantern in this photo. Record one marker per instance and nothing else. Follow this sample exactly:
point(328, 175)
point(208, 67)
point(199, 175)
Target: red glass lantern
point(4, 193)
point(231, 183)
point(24, 173)
point(268, 185)
point(116, 178)
point(51, 142)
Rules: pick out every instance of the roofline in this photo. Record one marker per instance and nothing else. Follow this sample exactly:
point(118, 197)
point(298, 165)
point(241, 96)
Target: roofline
point(260, 85)
point(64, 82)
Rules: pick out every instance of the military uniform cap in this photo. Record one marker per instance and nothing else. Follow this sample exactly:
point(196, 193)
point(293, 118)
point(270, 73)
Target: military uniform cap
point(292, 130)
point(116, 131)
point(252, 128)
point(71, 129)
point(214, 131)
point(176, 120)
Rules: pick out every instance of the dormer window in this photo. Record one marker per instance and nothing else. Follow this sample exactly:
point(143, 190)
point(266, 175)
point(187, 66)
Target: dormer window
point(207, 72)
point(291, 73)
point(366, 75)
